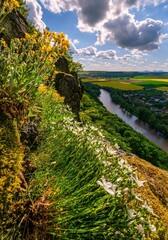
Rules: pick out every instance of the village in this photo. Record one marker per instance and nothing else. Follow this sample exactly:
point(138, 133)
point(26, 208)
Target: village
point(156, 101)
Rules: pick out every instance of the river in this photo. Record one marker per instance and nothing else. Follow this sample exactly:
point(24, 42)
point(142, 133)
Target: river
point(133, 121)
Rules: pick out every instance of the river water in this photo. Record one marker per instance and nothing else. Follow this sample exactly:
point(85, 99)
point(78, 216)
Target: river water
point(133, 121)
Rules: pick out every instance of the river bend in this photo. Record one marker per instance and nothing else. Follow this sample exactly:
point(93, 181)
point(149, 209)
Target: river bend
point(132, 121)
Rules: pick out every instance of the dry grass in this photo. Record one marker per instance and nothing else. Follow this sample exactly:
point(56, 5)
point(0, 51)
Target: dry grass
point(155, 191)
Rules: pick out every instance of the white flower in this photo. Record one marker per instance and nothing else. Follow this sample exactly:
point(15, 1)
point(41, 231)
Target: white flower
point(108, 186)
point(111, 150)
point(140, 229)
point(107, 163)
point(120, 179)
point(149, 209)
point(117, 233)
point(153, 228)
point(131, 213)
point(121, 162)
point(116, 146)
point(139, 183)
point(138, 198)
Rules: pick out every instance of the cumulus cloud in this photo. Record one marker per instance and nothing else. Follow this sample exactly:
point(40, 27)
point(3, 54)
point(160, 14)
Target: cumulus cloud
point(108, 54)
point(129, 33)
point(93, 52)
point(91, 12)
point(52, 6)
point(35, 14)
point(88, 51)
point(56, 6)
point(111, 20)
point(73, 49)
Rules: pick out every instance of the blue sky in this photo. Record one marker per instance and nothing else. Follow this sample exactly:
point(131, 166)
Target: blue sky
point(109, 35)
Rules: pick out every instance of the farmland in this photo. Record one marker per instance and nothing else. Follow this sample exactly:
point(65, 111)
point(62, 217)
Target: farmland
point(116, 84)
point(131, 83)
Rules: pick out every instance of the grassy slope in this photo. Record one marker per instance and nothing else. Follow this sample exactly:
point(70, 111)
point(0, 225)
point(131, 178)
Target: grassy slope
point(62, 199)
point(156, 188)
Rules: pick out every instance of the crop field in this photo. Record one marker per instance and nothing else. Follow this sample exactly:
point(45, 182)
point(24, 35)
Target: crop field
point(116, 84)
point(152, 83)
point(136, 83)
point(162, 89)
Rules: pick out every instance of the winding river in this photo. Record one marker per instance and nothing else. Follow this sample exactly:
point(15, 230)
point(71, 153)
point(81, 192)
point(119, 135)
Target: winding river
point(133, 121)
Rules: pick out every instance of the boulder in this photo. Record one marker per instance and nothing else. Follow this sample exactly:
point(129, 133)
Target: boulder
point(14, 25)
point(68, 85)
point(29, 133)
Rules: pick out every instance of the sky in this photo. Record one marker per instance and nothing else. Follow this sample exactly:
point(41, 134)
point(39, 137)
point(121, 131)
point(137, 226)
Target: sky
point(109, 35)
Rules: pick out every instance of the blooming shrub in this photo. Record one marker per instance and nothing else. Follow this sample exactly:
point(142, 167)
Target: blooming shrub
point(52, 92)
point(24, 65)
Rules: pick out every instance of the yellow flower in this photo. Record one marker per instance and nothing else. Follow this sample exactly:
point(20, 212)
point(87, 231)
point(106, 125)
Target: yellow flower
point(2, 41)
point(11, 5)
point(6, 4)
point(27, 36)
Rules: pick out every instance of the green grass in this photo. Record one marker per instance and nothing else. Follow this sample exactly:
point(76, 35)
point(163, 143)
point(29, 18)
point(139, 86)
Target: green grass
point(79, 189)
point(70, 161)
point(152, 83)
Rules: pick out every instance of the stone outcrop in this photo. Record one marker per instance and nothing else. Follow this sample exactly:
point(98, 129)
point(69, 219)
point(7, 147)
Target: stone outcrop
point(68, 85)
point(14, 25)
point(29, 133)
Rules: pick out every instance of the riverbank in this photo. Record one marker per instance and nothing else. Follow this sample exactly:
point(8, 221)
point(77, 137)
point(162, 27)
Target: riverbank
point(116, 130)
point(132, 121)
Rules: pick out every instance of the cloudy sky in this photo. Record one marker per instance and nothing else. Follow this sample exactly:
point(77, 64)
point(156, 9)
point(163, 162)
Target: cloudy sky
point(110, 35)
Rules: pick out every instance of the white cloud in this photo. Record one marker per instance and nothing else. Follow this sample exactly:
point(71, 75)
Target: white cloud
point(52, 6)
point(132, 34)
point(93, 52)
point(88, 51)
point(75, 41)
point(111, 20)
point(35, 14)
point(107, 54)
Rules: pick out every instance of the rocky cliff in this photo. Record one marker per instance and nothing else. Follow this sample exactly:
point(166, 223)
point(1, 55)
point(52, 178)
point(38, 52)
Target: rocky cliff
point(14, 25)
point(68, 85)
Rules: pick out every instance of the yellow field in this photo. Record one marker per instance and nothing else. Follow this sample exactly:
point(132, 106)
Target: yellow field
point(131, 84)
point(150, 79)
point(162, 89)
point(117, 85)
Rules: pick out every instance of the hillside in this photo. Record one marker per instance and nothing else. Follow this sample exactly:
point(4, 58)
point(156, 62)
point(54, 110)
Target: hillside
point(64, 175)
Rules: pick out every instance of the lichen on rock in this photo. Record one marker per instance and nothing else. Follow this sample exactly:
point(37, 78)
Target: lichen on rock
point(68, 85)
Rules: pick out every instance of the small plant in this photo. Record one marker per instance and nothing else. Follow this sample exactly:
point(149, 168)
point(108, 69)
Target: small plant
point(24, 65)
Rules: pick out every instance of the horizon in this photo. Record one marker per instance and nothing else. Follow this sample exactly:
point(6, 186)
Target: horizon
point(109, 35)
point(145, 71)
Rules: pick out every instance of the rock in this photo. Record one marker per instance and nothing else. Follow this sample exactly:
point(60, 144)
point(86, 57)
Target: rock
point(62, 65)
point(29, 133)
point(68, 85)
point(14, 25)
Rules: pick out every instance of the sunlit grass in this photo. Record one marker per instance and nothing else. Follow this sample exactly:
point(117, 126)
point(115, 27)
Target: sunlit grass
point(162, 89)
point(116, 84)
point(150, 78)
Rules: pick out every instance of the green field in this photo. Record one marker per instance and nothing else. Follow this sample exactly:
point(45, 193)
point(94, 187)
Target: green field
point(152, 83)
point(136, 83)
